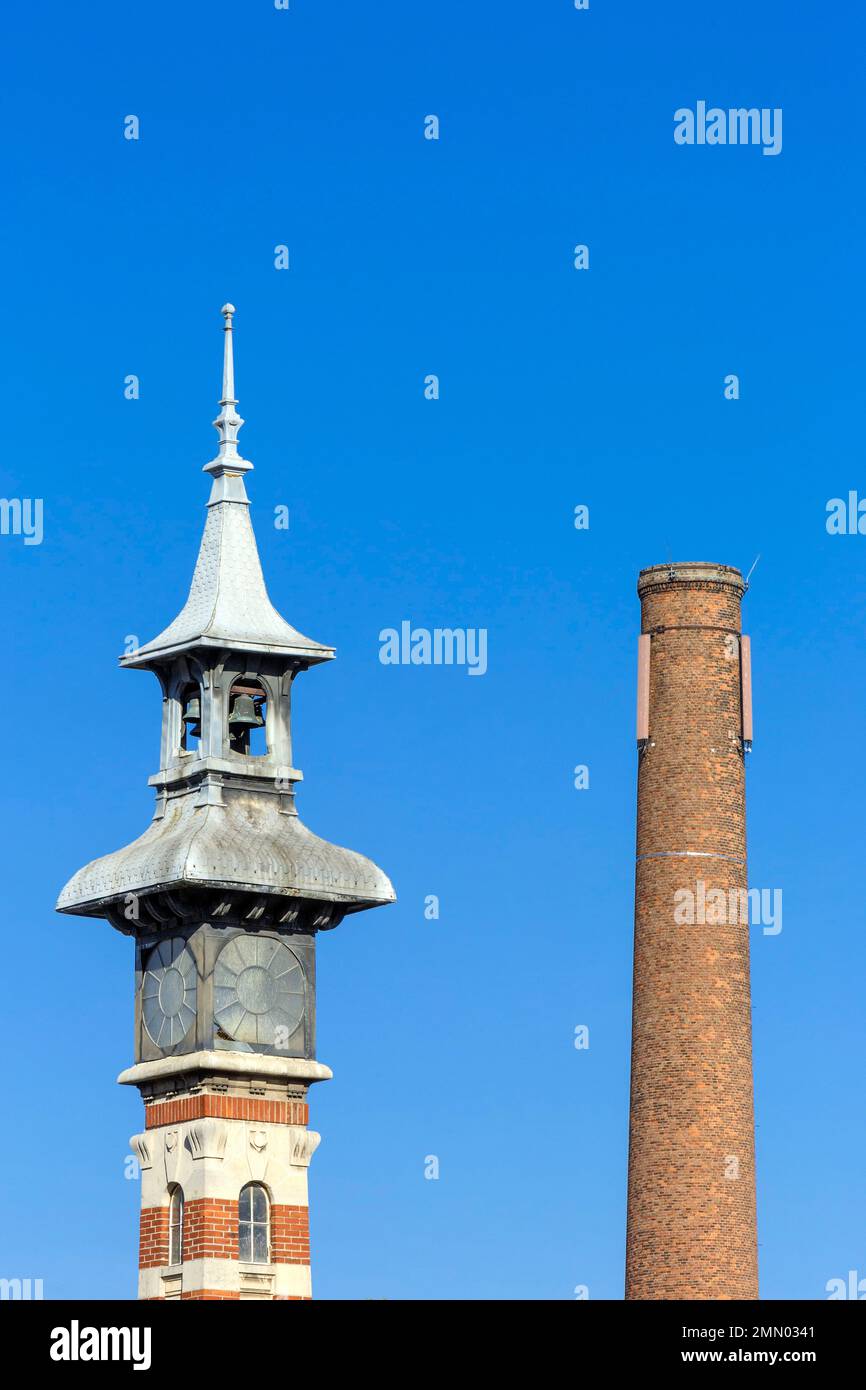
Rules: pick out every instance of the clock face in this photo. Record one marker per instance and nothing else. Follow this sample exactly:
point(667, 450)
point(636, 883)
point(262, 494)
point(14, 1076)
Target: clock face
point(259, 991)
point(168, 992)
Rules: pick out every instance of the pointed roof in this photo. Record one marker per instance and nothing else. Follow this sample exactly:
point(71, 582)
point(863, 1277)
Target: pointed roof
point(228, 604)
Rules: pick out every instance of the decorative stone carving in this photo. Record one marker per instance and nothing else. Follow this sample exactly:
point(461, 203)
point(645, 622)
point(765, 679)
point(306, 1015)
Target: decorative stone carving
point(170, 1153)
point(141, 1144)
point(257, 1155)
point(206, 1138)
point(304, 1143)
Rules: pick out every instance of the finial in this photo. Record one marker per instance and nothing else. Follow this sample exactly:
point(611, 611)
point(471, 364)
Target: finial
point(228, 422)
point(752, 570)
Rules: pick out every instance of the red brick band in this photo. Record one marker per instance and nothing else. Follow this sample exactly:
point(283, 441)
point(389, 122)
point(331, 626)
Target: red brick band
point(275, 1112)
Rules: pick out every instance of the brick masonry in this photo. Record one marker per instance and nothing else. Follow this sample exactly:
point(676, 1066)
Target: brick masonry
point(278, 1112)
point(153, 1237)
point(210, 1231)
point(691, 1227)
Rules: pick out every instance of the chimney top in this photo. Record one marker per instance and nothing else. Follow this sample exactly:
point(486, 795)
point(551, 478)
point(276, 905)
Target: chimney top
point(685, 572)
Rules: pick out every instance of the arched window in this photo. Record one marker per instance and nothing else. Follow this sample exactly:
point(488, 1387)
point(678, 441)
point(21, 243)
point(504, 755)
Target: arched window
point(190, 718)
point(254, 1224)
point(248, 718)
point(175, 1225)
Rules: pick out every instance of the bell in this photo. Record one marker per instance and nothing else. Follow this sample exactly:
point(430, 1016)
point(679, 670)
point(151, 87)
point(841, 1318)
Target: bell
point(244, 713)
point(192, 716)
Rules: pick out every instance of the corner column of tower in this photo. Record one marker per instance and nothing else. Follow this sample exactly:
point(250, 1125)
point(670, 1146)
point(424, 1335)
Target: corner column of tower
point(691, 1183)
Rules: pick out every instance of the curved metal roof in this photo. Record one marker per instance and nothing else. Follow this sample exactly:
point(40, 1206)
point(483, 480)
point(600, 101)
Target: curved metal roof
point(248, 845)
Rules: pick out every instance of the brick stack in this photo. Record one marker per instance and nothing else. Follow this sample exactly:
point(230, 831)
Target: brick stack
point(691, 1184)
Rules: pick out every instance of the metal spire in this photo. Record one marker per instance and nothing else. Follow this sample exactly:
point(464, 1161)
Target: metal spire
point(228, 604)
point(228, 422)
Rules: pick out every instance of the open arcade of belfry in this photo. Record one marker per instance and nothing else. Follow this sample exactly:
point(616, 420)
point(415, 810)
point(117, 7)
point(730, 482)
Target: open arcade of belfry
point(225, 893)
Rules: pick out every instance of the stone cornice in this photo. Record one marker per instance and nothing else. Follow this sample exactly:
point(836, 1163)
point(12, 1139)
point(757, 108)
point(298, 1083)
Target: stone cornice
point(226, 1064)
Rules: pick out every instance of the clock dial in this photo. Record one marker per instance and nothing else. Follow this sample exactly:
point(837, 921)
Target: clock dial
point(168, 992)
point(259, 991)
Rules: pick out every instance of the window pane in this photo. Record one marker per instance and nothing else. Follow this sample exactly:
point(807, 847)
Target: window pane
point(175, 1227)
point(260, 1255)
point(260, 1204)
point(245, 1204)
point(245, 1244)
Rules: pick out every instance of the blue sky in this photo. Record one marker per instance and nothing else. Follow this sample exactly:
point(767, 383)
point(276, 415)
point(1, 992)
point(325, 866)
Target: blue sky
point(558, 387)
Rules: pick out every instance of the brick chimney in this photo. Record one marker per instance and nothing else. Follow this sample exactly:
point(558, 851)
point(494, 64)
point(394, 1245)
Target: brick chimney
point(691, 1181)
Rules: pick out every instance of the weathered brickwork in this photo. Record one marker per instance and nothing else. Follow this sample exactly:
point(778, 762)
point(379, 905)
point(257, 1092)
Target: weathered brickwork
point(691, 1196)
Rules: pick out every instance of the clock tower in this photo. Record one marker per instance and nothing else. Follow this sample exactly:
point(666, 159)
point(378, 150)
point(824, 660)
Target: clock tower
point(224, 895)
